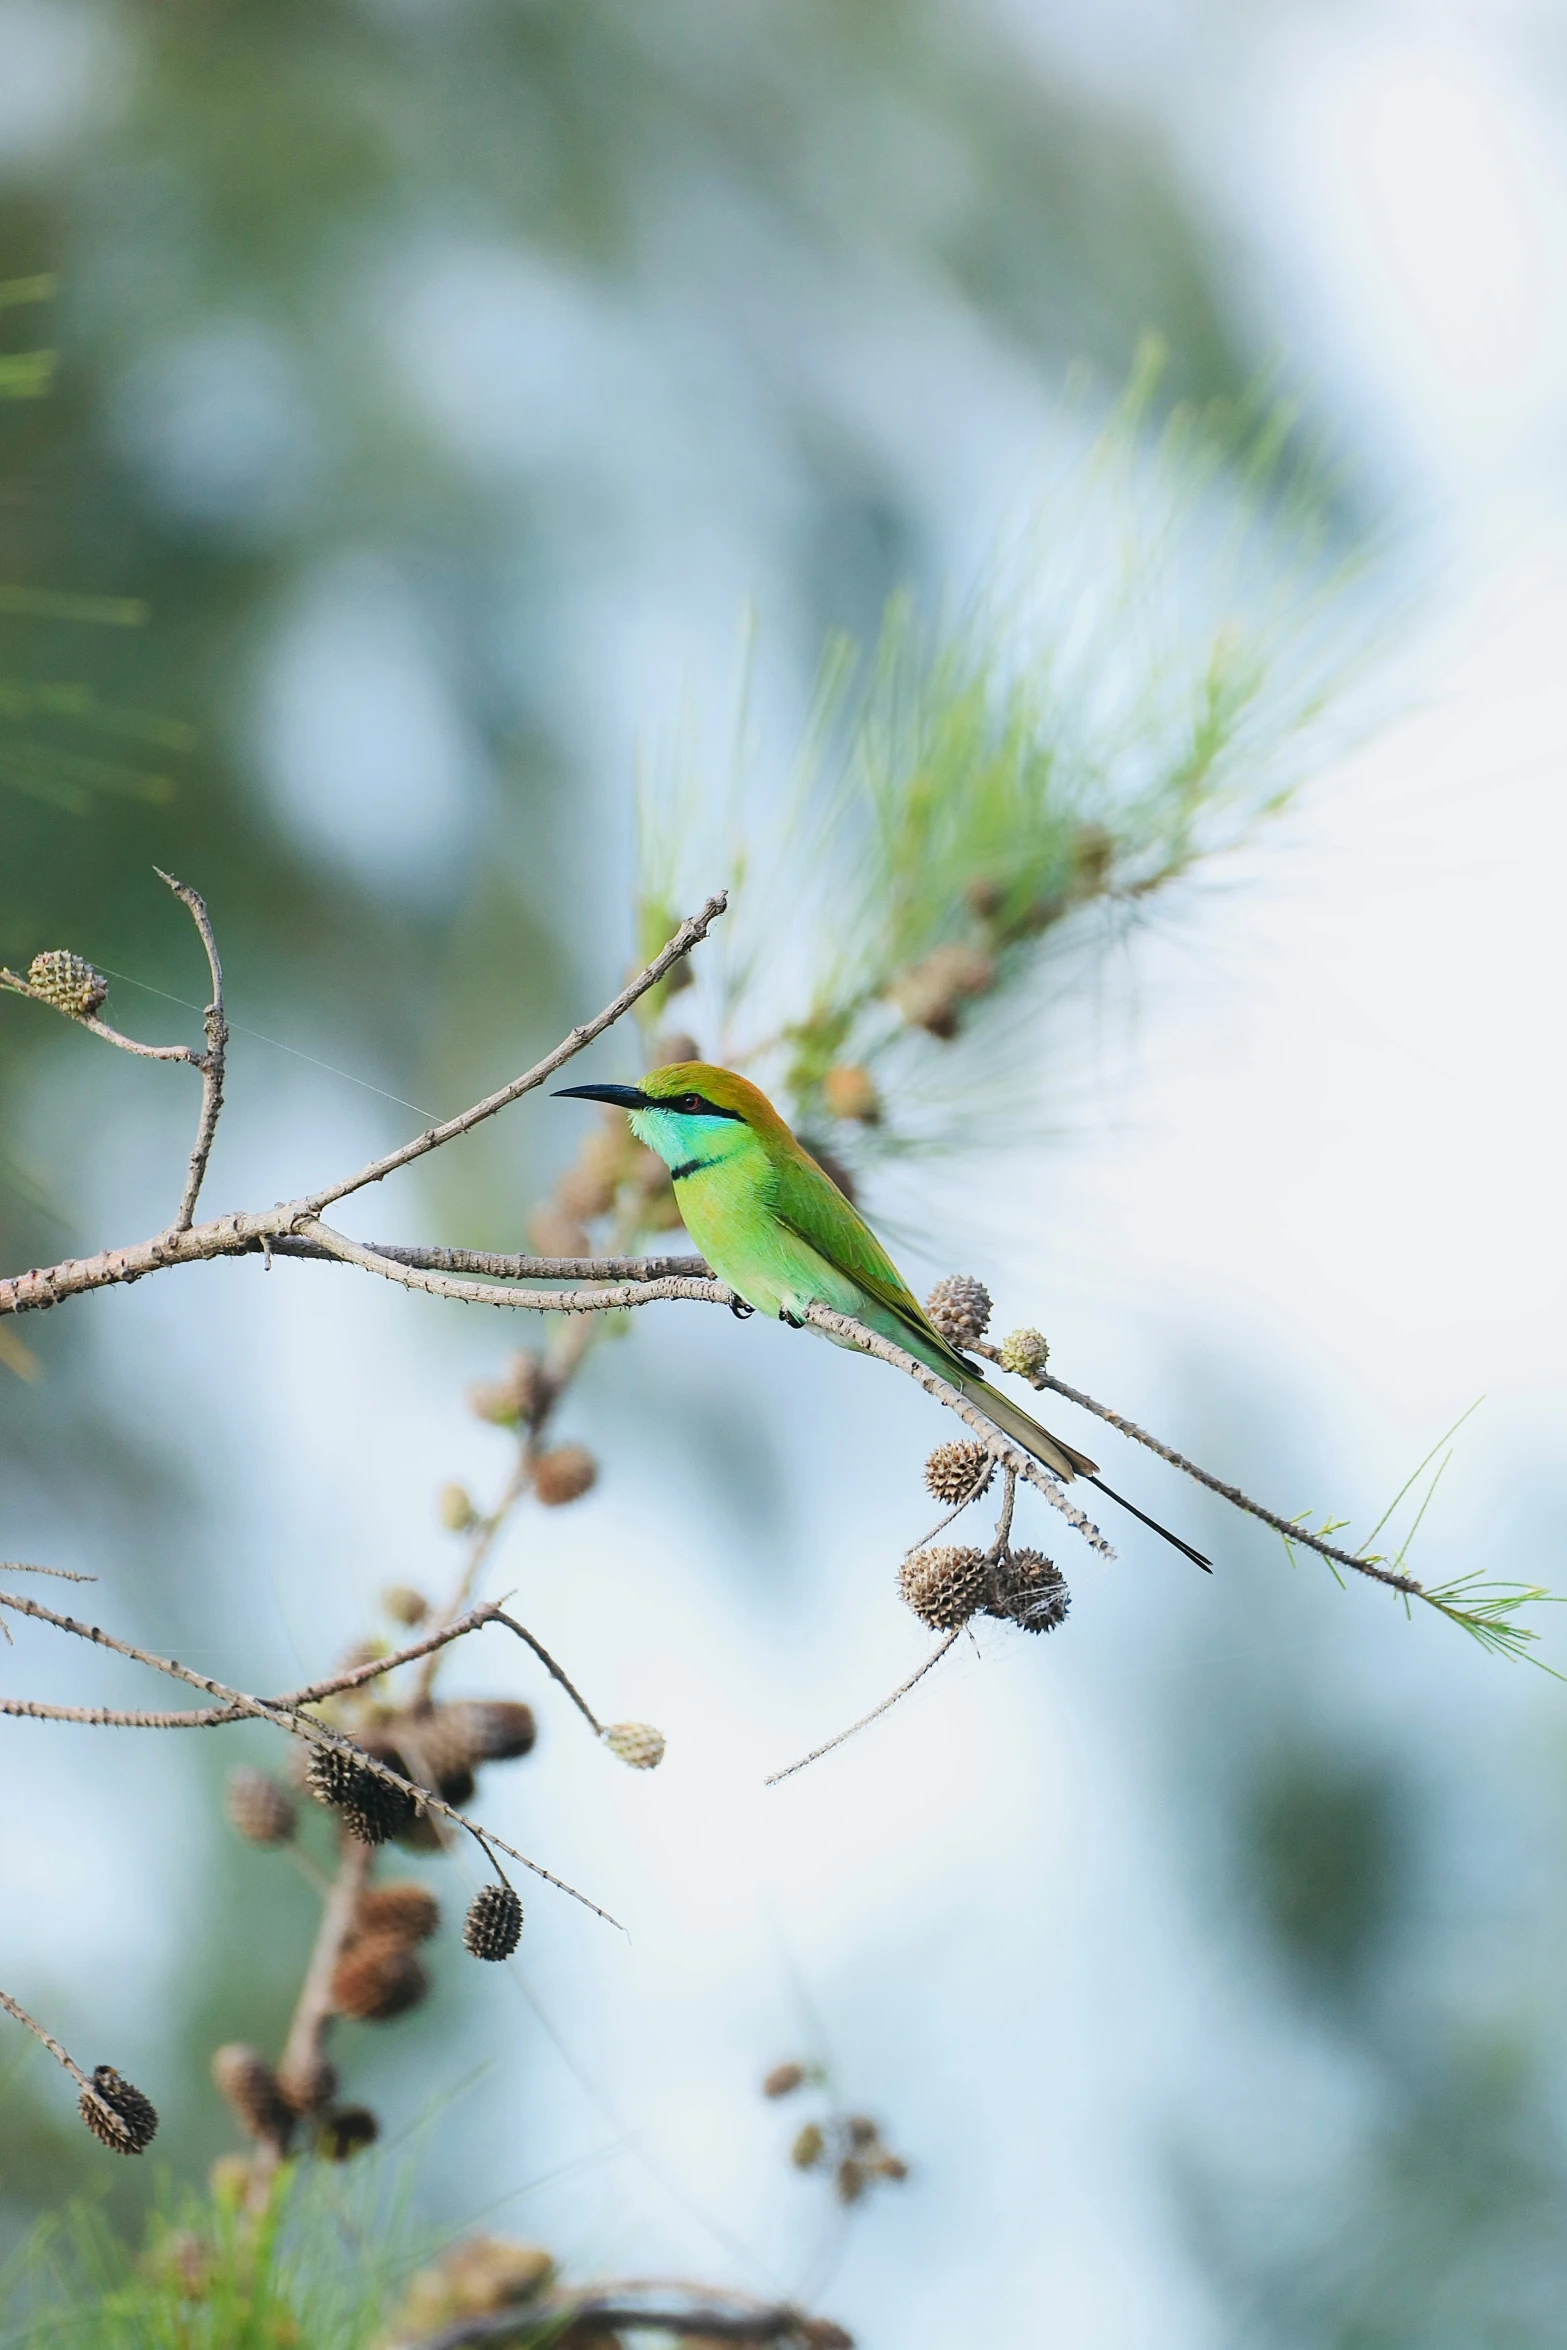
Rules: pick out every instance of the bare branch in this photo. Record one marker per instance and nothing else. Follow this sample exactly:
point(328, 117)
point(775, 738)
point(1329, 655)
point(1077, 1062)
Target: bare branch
point(686, 937)
point(554, 1671)
point(1290, 1528)
point(503, 1268)
point(211, 1062)
point(609, 1300)
point(236, 1235)
point(236, 1703)
point(1010, 1456)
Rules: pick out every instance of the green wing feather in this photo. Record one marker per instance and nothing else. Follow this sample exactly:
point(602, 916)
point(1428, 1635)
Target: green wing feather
point(815, 1210)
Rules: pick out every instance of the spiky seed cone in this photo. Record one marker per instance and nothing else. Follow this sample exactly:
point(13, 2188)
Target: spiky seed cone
point(783, 2080)
point(68, 982)
point(261, 1809)
point(862, 2131)
point(636, 1743)
point(502, 1728)
point(563, 1474)
point(493, 1927)
point(347, 2132)
point(311, 2087)
point(1030, 1590)
point(404, 1908)
point(958, 1472)
point(115, 2110)
point(808, 2148)
point(377, 1979)
point(404, 1604)
point(960, 1308)
point(454, 1507)
point(849, 2180)
point(944, 1586)
point(1024, 1352)
point(849, 1091)
point(368, 1806)
point(249, 2087)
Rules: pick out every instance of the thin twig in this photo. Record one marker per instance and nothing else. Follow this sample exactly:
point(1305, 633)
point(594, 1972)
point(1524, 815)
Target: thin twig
point(479, 1549)
point(60, 2055)
point(300, 2062)
point(1010, 1456)
point(1288, 1527)
point(211, 1061)
point(64, 1574)
point(238, 1234)
point(902, 1690)
point(300, 1726)
point(554, 1671)
point(504, 1268)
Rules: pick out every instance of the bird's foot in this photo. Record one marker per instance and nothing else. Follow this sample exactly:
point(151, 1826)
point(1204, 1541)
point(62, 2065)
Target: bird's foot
point(740, 1310)
point(793, 1320)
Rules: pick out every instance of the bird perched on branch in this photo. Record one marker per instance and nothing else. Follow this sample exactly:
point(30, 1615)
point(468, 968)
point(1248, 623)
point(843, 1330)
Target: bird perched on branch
point(773, 1225)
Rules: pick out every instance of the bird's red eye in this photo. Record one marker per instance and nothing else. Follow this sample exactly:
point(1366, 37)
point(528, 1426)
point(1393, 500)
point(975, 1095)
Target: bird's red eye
point(692, 1101)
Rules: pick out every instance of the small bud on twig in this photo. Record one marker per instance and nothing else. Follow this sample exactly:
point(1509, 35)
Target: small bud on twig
point(404, 1604)
point(493, 1927)
point(636, 1743)
point(563, 1474)
point(68, 982)
point(783, 2080)
point(1024, 1352)
point(455, 1509)
point(808, 2148)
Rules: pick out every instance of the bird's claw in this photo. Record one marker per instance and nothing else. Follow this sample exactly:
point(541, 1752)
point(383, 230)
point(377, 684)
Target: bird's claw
point(740, 1310)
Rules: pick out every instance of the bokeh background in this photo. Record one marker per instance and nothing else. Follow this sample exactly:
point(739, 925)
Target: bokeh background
point(441, 385)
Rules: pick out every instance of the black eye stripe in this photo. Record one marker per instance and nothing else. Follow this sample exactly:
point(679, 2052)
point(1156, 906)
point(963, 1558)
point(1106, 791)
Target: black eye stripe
point(696, 1105)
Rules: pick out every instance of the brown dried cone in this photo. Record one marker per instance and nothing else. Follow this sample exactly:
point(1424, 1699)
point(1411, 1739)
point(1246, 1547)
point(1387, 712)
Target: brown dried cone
point(849, 1091)
point(249, 2086)
point(960, 1308)
point(523, 1391)
point(309, 2087)
point(346, 2132)
point(849, 2180)
point(259, 1807)
point(404, 1908)
point(808, 2147)
point(503, 1729)
point(493, 1927)
point(68, 982)
point(117, 2112)
point(958, 1472)
point(563, 1474)
point(930, 994)
point(636, 1743)
point(1030, 1590)
point(944, 1586)
point(475, 2278)
point(368, 1806)
point(585, 1191)
point(438, 1745)
point(783, 2080)
point(378, 1978)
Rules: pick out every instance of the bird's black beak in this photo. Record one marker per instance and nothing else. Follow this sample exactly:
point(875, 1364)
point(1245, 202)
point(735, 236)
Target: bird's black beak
point(623, 1097)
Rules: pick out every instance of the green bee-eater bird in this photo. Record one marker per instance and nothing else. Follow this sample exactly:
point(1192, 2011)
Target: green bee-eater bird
point(773, 1225)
